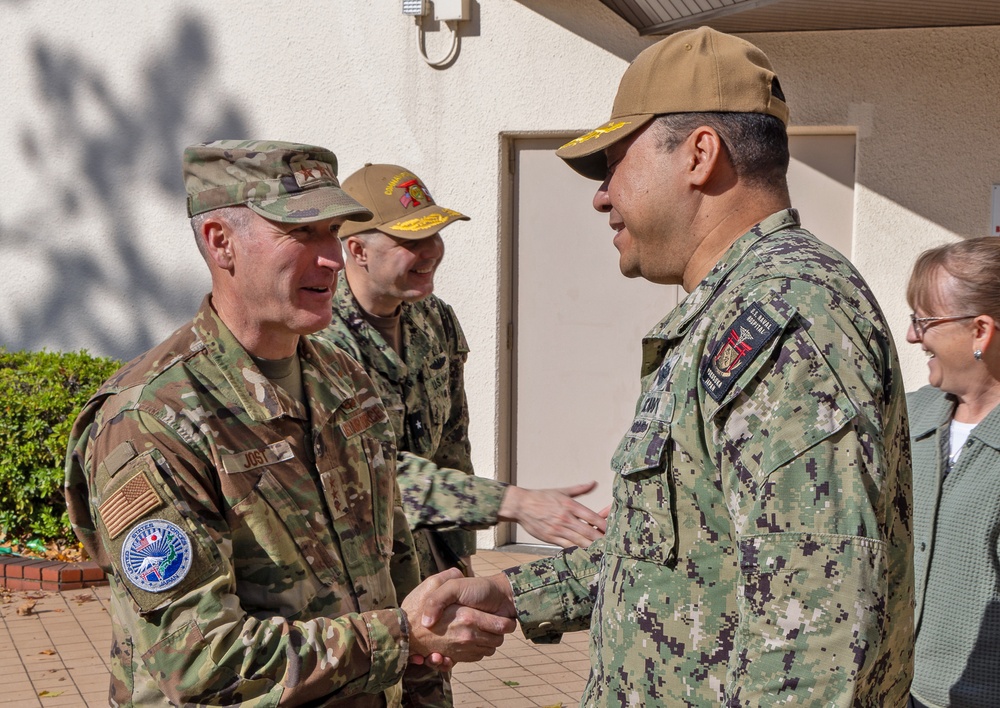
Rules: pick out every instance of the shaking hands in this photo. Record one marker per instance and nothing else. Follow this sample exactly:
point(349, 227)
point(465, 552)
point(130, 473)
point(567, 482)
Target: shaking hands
point(453, 618)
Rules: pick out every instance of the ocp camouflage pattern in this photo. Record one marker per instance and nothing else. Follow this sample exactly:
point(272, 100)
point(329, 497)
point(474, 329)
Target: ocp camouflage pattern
point(294, 517)
point(759, 546)
point(262, 174)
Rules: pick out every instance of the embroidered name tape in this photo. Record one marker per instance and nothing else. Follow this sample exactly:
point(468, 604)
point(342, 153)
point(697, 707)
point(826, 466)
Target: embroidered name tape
point(252, 459)
point(156, 555)
point(362, 421)
point(744, 339)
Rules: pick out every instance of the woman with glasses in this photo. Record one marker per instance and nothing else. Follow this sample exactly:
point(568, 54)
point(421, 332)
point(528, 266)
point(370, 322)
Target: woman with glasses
point(955, 436)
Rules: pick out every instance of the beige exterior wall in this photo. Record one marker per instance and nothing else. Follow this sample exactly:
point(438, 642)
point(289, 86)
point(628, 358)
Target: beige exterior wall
point(100, 98)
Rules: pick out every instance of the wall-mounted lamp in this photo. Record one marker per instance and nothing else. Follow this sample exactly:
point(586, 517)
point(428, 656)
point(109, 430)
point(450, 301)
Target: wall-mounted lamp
point(415, 7)
point(451, 12)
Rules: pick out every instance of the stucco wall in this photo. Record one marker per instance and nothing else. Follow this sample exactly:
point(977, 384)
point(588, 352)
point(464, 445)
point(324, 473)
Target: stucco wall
point(100, 99)
point(927, 111)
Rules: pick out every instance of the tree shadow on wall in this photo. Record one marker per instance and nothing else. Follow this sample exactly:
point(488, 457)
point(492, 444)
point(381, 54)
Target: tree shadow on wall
point(131, 153)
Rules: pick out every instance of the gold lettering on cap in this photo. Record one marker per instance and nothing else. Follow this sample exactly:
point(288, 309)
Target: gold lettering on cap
point(394, 181)
point(597, 132)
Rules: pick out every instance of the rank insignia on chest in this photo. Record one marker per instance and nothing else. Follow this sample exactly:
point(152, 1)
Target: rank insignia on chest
point(416, 424)
point(742, 341)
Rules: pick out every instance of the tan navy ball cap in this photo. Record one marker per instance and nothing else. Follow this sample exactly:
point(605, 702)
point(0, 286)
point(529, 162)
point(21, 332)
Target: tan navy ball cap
point(399, 202)
point(694, 71)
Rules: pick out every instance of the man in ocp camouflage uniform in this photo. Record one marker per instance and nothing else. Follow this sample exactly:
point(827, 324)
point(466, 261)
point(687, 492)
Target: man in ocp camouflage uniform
point(237, 481)
point(411, 344)
point(758, 549)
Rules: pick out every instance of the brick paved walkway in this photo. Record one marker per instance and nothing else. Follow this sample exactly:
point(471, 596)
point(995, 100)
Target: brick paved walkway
point(57, 655)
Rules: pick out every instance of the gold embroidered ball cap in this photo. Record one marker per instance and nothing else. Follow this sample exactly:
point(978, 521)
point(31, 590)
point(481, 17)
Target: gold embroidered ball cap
point(694, 71)
point(399, 202)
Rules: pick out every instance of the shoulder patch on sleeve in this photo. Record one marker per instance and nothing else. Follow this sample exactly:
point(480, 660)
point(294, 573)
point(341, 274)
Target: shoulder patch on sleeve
point(156, 555)
point(131, 501)
point(743, 340)
point(119, 457)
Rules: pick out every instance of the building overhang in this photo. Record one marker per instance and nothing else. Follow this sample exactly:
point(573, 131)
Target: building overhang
point(660, 17)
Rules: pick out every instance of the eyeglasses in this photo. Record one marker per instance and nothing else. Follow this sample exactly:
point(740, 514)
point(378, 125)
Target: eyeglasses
point(922, 324)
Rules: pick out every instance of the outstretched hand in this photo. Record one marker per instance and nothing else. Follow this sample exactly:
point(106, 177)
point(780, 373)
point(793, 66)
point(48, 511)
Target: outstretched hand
point(441, 627)
point(553, 516)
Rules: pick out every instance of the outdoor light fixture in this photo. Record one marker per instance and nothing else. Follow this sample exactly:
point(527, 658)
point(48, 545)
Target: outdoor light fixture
point(415, 7)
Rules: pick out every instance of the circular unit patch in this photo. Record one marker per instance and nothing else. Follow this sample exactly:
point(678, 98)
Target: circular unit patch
point(156, 555)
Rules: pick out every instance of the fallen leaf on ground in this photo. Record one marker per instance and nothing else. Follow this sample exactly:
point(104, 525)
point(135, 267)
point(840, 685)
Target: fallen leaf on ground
point(26, 608)
point(49, 694)
point(83, 597)
point(47, 652)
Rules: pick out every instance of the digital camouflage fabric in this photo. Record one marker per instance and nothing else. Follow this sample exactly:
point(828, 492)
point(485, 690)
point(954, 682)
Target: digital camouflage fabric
point(759, 545)
point(424, 394)
point(276, 588)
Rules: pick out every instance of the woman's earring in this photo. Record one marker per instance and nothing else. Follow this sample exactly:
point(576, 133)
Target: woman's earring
point(978, 355)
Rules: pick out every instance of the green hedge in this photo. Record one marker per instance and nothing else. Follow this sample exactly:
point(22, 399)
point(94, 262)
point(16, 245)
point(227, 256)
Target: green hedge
point(40, 396)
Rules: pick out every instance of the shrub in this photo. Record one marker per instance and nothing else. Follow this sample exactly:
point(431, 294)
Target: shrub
point(41, 394)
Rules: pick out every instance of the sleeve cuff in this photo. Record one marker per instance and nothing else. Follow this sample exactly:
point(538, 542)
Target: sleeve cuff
point(556, 595)
point(389, 639)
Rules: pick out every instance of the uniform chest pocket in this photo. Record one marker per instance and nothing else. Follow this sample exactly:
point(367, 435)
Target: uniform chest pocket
point(280, 557)
point(436, 379)
point(361, 497)
point(642, 524)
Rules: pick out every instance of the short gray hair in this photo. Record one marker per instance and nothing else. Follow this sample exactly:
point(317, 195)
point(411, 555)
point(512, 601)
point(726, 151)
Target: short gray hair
point(238, 218)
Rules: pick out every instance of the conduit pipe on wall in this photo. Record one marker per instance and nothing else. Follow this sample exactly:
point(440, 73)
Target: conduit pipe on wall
point(421, 37)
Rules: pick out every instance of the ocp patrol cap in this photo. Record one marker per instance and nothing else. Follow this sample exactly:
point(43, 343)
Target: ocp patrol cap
point(400, 203)
point(694, 71)
point(285, 182)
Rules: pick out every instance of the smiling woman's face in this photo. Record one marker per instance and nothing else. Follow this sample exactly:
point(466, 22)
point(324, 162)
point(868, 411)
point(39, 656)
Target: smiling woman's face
point(948, 344)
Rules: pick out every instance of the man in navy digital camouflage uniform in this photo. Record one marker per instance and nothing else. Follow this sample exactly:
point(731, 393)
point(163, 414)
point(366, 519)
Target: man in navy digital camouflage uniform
point(759, 546)
point(411, 344)
point(409, 341)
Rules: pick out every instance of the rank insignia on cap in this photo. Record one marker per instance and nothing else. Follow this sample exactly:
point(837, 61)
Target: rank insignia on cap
point(743, 340)
point(156, 555)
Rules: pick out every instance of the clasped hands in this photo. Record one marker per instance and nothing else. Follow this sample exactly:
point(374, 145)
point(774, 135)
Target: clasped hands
point(453, 618)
